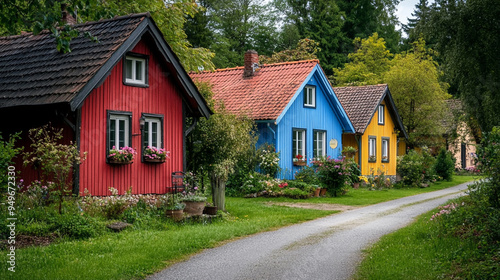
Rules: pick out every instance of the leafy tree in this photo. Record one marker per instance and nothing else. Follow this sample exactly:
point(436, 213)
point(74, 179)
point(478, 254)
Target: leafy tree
point(466, 35)
point(56, 161)
point(320, 21)
point(367, 64)
point(306, 49)
point(7, 153)
point(414, 83)
point(415, 25)
point(230, 28)
point(445, 165)
point(365, 17)
point(225, 137)
point(35, 16)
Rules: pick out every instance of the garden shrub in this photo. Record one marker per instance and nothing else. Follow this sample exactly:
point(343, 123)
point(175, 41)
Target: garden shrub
point(333, 174)
point(307, 174)
point(411, 169)
point(75, 226)
point(7, 153)
point(445, 165)
point(295, 193)
point(268, 160)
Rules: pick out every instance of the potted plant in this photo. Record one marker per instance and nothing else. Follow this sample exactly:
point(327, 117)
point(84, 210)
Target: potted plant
point(124, 155)
point(194, 204)
point(193, 196)
point(298, 160)
point(349, 151)
point(175, 211)
point(210, 209)
point(155, 155)
point(317, 190)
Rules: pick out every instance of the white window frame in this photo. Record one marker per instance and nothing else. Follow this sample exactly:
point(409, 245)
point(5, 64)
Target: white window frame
point(299, 142)
point(381, 116)
point(116, 118)
point(148, 126)
point(385, 149)
point(372, 148)
point(310, 96)
point(134, 80)
point(319, 139)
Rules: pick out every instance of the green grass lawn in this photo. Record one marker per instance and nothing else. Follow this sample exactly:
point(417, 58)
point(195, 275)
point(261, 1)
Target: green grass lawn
point(363, 196)
point(414, 252)
point(133, 254)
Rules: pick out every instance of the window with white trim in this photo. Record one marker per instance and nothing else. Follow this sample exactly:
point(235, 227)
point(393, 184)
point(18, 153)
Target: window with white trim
point(299, 143)
point(135, 70)
point(153, 132)
point(372, 148)
point(118, 129)
point(385, 149)
point(381, 117)
point(309, 96)
point(319, 143)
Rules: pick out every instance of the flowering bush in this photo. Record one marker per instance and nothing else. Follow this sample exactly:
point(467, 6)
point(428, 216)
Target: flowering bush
point(333, 174)
point(192, 190)
point(156, 153)
point(269, 160)
point(113, 206)
point(447, 209)
point(124, 154)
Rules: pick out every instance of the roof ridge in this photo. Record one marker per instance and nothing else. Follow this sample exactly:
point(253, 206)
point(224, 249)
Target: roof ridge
point(45, 31)
point(292, 62)
point(361, 86)
point(263, 65)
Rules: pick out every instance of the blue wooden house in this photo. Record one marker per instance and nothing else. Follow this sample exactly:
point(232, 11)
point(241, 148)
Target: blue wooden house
point(292, 103)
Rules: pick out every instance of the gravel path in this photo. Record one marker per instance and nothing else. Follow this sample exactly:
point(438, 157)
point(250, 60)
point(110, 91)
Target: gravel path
point(326, 248)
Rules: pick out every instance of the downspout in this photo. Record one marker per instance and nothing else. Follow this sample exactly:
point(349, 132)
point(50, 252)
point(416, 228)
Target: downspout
point(274, 132)
point(358, 139)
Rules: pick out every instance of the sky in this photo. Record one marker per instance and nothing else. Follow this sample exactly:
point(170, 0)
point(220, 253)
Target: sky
point(405, 8)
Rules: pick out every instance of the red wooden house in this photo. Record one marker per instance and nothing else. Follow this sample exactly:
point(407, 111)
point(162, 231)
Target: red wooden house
point(127, 90)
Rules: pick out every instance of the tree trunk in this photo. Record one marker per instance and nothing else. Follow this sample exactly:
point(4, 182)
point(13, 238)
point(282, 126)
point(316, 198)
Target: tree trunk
point(218, 192)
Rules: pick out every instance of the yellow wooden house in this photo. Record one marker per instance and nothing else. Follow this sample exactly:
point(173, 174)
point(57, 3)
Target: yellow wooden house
point(380, 135)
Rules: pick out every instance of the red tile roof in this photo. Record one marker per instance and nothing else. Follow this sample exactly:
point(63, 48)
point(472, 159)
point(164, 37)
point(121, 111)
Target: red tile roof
point(262, 96)
point(360, 103)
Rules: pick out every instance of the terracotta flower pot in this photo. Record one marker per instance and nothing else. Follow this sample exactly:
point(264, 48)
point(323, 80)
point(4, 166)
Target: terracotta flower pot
point(322, 192)
point(194, 208)
point(355, 185)
point(299, 163)
point(316, 192)
point(176, 215)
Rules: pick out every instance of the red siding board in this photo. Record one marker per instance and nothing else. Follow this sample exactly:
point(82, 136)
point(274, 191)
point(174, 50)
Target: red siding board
point(160, 97)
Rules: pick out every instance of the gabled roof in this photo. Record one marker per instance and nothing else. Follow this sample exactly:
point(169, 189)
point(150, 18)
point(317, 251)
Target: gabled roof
point(262, 96)
point(361, 102)
point(33, 72)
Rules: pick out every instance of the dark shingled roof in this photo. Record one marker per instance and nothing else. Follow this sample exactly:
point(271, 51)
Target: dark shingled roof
point(33, 72)
point(360, 104)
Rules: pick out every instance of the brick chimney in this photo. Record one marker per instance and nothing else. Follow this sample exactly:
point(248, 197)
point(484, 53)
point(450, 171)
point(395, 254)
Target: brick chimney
point(67, 18)
point(251, 63)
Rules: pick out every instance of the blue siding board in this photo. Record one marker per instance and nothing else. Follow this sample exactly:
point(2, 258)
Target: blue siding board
point(322, 117)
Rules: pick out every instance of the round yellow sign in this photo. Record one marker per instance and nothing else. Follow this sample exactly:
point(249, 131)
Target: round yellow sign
point(333, 143)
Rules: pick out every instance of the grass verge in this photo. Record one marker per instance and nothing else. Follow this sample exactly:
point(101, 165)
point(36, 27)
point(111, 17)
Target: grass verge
point(364, 197)
point(133, 254)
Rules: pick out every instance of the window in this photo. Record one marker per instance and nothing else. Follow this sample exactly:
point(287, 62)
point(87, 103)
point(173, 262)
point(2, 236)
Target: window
point(135, 70)
point(381, 116)
point(310, 96)
point(319, 144)
point(299, 143)
point(372, 148)
point(119, 130)
point(385, 149)
point(153, 131)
